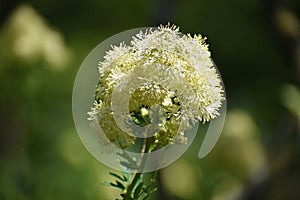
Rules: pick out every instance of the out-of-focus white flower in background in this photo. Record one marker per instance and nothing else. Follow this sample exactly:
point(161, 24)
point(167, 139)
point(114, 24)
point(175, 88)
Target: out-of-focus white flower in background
point(30, 38)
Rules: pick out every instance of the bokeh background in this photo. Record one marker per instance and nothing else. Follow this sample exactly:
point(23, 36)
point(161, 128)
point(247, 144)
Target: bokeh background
point(255, 44)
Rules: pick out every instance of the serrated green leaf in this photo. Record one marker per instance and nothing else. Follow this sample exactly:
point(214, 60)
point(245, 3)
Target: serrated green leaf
point(117, 176)
point(118, 185)
point(138, 190)
point(127, 175)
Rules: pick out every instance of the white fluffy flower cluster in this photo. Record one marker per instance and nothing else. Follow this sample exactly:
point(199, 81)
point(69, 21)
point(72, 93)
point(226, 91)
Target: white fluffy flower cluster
point(159, 67)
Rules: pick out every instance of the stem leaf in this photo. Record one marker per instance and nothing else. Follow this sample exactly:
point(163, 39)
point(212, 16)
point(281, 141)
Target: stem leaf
point(138, 190)
point(118, 185)
point(118, 177)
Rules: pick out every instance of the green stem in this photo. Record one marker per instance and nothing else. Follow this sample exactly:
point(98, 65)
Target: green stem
point(130, 187)
point(149, 146)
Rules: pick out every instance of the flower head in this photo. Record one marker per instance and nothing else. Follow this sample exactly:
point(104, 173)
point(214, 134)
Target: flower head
point(159, 67)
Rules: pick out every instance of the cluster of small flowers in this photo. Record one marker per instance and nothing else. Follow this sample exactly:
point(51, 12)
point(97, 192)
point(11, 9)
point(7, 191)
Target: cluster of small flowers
point(176, 72)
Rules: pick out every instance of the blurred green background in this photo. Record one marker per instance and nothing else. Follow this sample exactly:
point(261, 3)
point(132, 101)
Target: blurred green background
point(255, 44)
